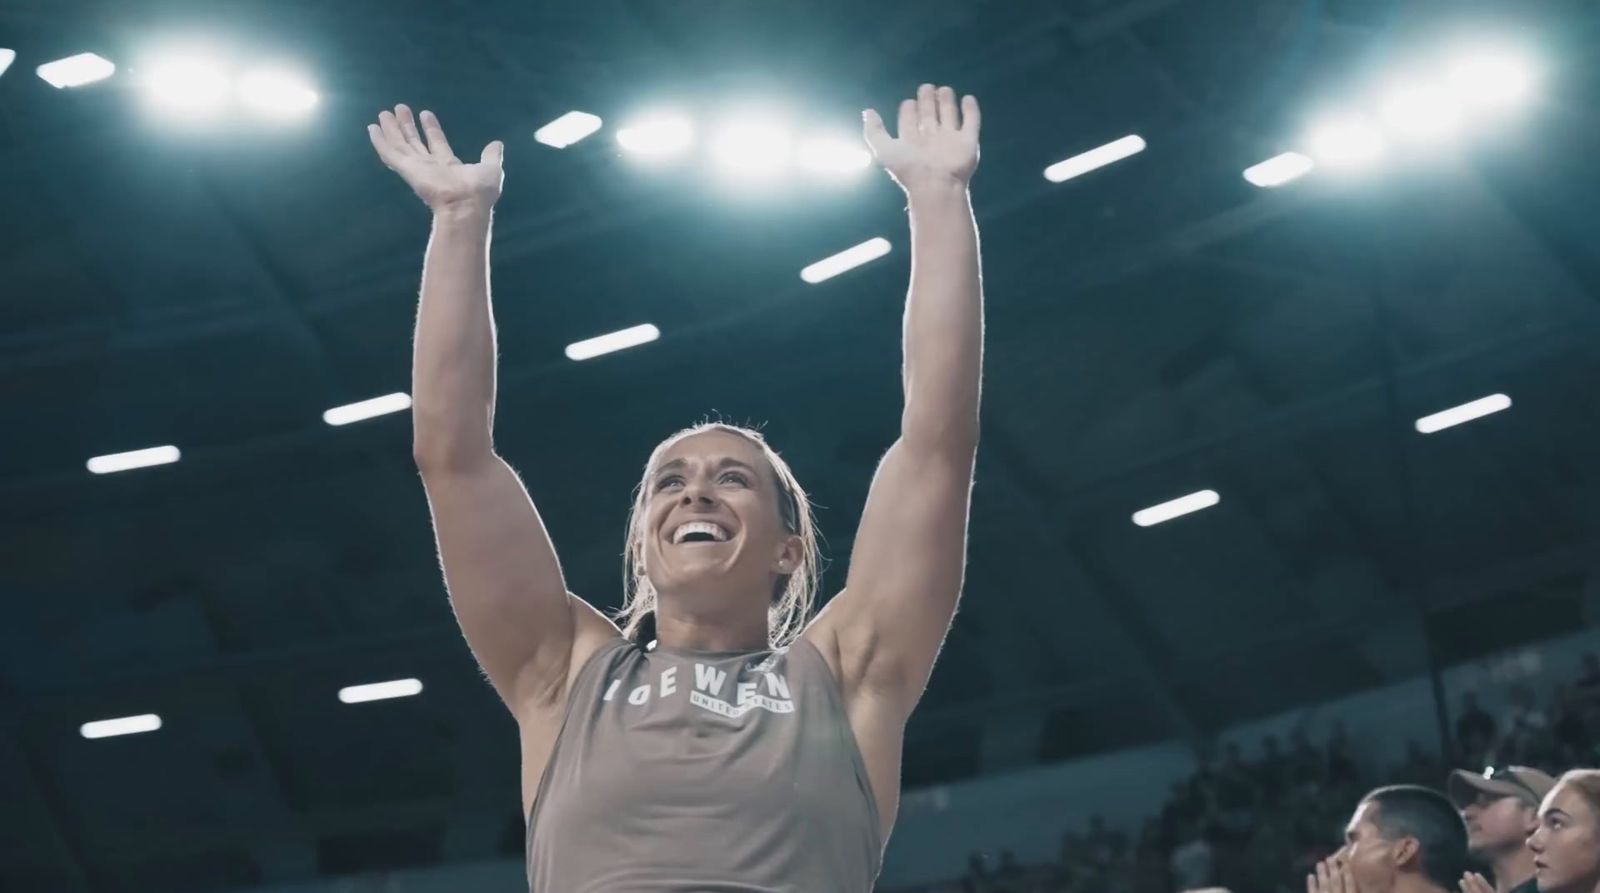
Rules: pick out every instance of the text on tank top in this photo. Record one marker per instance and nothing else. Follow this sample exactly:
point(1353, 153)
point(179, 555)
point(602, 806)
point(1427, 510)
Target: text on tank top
point(712, 772)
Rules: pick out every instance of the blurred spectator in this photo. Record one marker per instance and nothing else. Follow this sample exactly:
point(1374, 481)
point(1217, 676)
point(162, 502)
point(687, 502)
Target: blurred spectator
point(1501, 808)
point(1475, 730)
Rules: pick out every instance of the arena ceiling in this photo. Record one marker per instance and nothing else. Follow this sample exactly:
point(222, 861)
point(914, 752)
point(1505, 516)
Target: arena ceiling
point(1157, 327)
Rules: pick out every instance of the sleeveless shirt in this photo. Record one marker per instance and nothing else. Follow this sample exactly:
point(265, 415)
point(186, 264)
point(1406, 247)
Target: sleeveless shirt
point(680, 771)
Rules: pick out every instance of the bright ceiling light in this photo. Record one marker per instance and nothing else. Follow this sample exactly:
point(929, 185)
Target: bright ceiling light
point(1279, 169)
point(567, 129)
point(1491, 77)
point(752, 148)
point(6, 58)
point(122, 725)
point(612, 341)
point(380, 691)
point(661, 135)
point(1100, 156)
point(833, 155)
point(186, 85)
point(1351, 140)
point(848, 259)
point(1466, 412)
point(161, 455)
point(1175, 508)
point(1421, 111)
point(75, 71)
point(277, 94)
point(366, 409)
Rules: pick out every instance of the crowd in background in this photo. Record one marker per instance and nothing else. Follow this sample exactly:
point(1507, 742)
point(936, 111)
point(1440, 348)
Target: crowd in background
point(1258, 823)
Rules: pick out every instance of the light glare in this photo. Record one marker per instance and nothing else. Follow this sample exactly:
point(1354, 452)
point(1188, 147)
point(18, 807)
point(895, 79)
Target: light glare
point(366, 409)
point(1350, 140)
point(380, 691)
point(1466, 412)
point(567, 129)
point(75, 71)
point(613, 341)
point(1494, 78)
point(1421, 111)
point(189, 85)
point(6, 58)
point(277, 94)
point(833, 156)
point(1183, 505)
point(752, 149)
point(659, 136)
point(848, 259)
point(1098, 157)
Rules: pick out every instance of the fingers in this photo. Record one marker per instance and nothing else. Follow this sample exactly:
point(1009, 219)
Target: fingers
point(381, 143)
point(408, 129)
point(971, 115)
point(927, 109)
point(1324, 881)
point(1472, 882)
point(437, 144)
point(876, 134)
point(392, 133)
point(949, 118)
point(907, 125)
point(1341, 878)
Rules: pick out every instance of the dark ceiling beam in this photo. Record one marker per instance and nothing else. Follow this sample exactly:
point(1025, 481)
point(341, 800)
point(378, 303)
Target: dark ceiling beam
point(68, 854)
point(1043, 500)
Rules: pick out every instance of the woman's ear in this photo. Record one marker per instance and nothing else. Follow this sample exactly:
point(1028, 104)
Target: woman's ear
point(790, 553)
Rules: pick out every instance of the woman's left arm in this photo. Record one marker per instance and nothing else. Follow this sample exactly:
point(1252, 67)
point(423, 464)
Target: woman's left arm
point(909, 556)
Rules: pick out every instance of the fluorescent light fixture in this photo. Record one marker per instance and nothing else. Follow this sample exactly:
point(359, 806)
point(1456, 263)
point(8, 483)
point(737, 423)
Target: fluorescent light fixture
point(1183, 505)
point(848, 259)
point(161, 455)
point(277, 94)
point(1279, 169)
point(1350, 140)
point(75, 71)
point(366, 409)
point(1421, 111)
point(567, 129)
point(1100, 156)
point(124, 725)
point(828, 155)
point(658, 136)
point(380, 691)
point(188, 85)
point(1466, 412)
point(614, 341)
point(752, 148)
point(1491, 77)
point(6, 58)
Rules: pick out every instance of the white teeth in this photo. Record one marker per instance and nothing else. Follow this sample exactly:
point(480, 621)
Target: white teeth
point(715, 530)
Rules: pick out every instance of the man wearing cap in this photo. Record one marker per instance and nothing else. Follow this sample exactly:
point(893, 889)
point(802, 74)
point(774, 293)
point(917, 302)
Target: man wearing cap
point(1501, 808)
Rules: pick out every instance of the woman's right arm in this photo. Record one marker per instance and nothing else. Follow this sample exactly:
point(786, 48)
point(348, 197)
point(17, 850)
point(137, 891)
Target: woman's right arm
point(500, 568)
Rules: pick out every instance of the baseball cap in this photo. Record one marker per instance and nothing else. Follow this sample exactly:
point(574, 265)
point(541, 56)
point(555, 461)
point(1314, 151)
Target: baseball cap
point(1502, 781)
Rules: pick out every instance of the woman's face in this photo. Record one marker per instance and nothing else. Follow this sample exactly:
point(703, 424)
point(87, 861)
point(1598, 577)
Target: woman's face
point(1566, 847)
point(712, 521)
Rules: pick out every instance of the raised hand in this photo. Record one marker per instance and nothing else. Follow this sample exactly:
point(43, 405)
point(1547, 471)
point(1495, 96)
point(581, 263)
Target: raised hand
point(1332, 876)
point(430, 168)
point(936, 142)
point(1472, 882)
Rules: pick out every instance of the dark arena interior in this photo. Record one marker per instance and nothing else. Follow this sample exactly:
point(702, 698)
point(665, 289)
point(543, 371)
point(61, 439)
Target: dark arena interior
point(1288, 483)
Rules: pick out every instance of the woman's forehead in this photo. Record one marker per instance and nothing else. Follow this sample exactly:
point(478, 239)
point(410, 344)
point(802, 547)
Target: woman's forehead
point(713, 446)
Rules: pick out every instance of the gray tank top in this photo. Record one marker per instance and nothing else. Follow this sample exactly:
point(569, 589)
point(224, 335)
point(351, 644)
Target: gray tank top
point(704, 772)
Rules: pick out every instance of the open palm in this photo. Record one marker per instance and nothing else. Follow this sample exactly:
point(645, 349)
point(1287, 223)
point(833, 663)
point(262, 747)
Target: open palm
point(936, 141)
point(428, 165)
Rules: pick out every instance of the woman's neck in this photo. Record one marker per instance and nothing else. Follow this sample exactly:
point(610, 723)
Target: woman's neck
point(702, 633)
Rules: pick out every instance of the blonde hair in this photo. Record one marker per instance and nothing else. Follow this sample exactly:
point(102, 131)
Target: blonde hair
point(792, 596)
